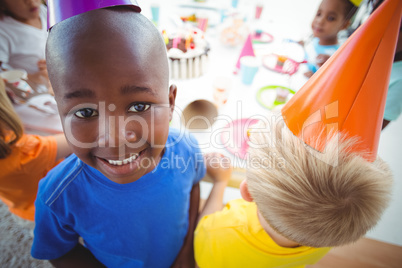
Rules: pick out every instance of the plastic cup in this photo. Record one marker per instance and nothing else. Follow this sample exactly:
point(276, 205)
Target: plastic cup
point(16, 79)
point(235, 3)
point(155, 13)
point(222, 86)
point(249, 66)
point(223, 14)
point(258, 10)
point(13, 76)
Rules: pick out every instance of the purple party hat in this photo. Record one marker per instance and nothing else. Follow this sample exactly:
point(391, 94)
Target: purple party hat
point(59, 10)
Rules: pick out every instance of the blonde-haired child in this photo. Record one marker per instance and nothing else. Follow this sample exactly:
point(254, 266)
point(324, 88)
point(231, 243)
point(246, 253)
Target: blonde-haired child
point(314, 179)
point(295, 205)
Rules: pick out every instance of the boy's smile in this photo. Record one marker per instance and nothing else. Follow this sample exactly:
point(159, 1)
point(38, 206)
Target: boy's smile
point(115, 104)
point(122, 166)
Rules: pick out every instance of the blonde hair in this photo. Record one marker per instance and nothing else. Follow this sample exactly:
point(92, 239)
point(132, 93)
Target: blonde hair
point(315, 199)
point(9, 122)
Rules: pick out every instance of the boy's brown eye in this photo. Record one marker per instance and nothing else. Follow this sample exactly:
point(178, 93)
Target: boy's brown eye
point(139, 107)
point(86, 113)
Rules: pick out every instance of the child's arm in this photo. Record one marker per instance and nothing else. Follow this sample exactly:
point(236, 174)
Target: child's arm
point(321, 59)
point(220, 170)
point(41, 75)
point(63, 150)
point(77, 257)
point(185, 258)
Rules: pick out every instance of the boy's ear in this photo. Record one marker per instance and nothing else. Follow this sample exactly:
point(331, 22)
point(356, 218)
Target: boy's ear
point(244, 191)
point(172, 100)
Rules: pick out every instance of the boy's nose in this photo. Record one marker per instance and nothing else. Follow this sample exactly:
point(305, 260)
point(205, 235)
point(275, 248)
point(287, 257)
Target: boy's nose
point(117, 134)
point(130, 136)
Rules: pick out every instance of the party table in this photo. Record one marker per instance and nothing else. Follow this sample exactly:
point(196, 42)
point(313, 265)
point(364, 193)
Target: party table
point(244, 102)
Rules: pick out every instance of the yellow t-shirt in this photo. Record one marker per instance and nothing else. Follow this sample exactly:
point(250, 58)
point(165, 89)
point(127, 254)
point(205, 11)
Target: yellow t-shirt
point(234, 238)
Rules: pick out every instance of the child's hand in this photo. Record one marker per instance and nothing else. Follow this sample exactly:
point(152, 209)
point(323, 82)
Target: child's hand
point(42, 69)
point(42, 65)
point(220, 170)
point(308, 74)
point(218, 167)
point(41, 77)
point(321, 59)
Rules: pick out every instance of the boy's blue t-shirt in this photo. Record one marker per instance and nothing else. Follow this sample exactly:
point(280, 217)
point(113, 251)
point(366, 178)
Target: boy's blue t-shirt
point(139, 224)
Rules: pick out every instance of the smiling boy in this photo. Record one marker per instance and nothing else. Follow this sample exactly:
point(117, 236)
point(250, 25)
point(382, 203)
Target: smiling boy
point(109, 71)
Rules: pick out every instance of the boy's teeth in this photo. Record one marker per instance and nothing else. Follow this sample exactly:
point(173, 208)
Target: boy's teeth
point(124, 161)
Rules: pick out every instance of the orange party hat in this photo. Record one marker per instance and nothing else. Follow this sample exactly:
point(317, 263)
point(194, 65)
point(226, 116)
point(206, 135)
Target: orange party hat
point(348, 93)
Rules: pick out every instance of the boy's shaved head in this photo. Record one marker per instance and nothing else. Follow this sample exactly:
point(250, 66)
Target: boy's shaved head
point(108, 30)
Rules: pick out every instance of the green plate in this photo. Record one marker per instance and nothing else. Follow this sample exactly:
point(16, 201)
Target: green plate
point(270, 102)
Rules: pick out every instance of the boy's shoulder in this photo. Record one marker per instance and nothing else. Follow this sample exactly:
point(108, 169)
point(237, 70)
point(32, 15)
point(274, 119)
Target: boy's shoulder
point(61, 176)
point(236, 214)
point(176, 134)
point(182, 140)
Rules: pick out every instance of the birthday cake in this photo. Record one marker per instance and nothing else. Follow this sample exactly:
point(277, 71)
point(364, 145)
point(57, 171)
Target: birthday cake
point(187, 51)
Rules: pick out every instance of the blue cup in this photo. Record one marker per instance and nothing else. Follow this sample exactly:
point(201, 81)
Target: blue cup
point(235, 3)
point(249, 66)
point(155, 13)
point(224, 15)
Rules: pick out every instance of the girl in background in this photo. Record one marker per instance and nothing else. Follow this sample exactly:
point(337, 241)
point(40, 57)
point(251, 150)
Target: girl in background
point(23, 34)
point(332, 17)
